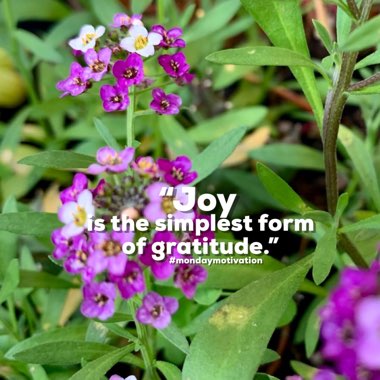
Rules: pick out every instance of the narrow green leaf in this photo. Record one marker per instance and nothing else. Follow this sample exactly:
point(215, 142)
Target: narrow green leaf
point(269, 356)
point(323, 35)
point(169, 370)
point(324, 256)
point(280, 190)
point(105, 10)
point(29, 223)
point(32, 279)
point(312, 331)
point(58, 159)
point(106, 135)
point(48, 10)
point(11, 280)
point(175, 336)
point(139, 7)
point(372, 223)
point(264, 376)
point(215, 153)
point(371, 59)
point(304, 370)
point(343, 26)
point(341, 206)
point(246, 320)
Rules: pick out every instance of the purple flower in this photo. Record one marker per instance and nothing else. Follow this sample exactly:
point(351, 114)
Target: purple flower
point(98, 62)
point(111, 161)
point(295, 377)
point(62, 244)
point(130, 281)
point(108, 254)
point(160, 206)
point(175, 65)
point(75, 215)
point(115, 98)
point(98, 300)
point(162, 269)
point(324, 374)
point(184, 79)
point(156, 310)
point(80, 183)
point(170, 38)
point(177, 171)
point(145, 166)
point(165, 104)
point(129, 72)
point(77, 82)
point(122, 19)
point(187, 277)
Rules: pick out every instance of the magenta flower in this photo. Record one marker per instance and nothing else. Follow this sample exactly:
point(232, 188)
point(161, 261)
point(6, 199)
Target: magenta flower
point(156, 310)
point(75, 215)
point(77, 82)
point(175, 65)
point(129, 72)
point(80, 183)
point(98, 62)
point(187, 277)
point(111, 161)
point(159, 207)
point(98, 300)
point(184, 79)
point(130, 281)
point(162, 269)
point(177, 171)
point(324, 374)
point(145, 166)
point(170, 38)
point(62, 244)
point(122, 19)
point(295, 377)
point(165, 104)
point(108, 254)
point(115, 98)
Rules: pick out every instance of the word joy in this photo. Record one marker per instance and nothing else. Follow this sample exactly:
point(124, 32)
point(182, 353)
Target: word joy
point(205, 202)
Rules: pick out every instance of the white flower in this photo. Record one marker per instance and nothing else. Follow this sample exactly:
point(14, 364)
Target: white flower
point(87, 38)
point(140, 41)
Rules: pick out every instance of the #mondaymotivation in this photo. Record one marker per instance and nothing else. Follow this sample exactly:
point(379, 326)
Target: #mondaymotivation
point(203, 246)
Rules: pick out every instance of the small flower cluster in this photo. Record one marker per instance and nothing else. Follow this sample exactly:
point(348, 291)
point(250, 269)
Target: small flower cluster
point(131, 190)
point(121, 56)
point(351, 324)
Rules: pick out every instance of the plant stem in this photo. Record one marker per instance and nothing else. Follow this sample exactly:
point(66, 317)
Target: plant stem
point(335, 103)
point(129, 121)
point(353, 8)
point(365, 82)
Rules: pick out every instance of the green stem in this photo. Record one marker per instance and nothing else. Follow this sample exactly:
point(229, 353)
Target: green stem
point(161, 11)
point(129, 122)
point(335, 103)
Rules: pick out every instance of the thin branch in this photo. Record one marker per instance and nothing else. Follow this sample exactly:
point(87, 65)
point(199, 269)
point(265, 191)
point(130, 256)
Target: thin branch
point(353, 8)
point(364, 83)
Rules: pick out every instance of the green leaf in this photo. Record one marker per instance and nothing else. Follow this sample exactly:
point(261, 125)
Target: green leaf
point(58, 159)
point(11, 280)
point(105, 10)
point(175, 336)
point(169, 370)
point(106, 135)
point(290, 155)
point(261, 56)
point(212, 129)
point(363, 36)
point(312, 331)
point(269, 356)
point(63, 352)
point(282, 23)
point(304, 370)
point(343, 26)
point(368, 90)
point(324, 256)
point(29, 223)
point(32, 279)
point(372, 223)
point(323, 35)
point(35, 45)
point(215, 153)
point(264, 376)
point(280, 190)
point(341, 206)
point(207, 296)
point(97, 368)
point(363, 163)
point(48, 10)
point(371, 59)
point(246, 320)
point(139, 7)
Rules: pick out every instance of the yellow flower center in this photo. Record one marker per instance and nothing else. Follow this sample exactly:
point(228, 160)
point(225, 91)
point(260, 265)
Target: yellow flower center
point(87, 38)
point(167, 205)
point(141, 42)
point(80, 217)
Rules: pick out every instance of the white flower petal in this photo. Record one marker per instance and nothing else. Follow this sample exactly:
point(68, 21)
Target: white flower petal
point(99, 31)
point(76, 44)
point(138, 30)
point(154, 38)
point(85, 29)
point(85, 199)
point(147, 51)
point(128, 43)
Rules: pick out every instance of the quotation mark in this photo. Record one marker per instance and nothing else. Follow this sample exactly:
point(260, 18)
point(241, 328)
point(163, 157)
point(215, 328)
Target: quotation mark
point(167, 192)
point(273, 240)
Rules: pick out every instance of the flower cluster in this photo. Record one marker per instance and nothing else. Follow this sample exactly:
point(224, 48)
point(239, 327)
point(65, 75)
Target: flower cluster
point(121, 56)
point(351, 324)
point(132, 189)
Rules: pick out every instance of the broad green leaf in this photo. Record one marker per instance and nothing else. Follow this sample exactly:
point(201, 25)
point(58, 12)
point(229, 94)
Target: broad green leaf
point(48, 10)
point(97, 368)
point(70, 333)
point(106, 135)
point(282, 23)
point(288, 315)
point(96, 332)
point(58, 159)
point(323, 35)
point(324, 255)
point(29, 223)
point(105, 10)
point(207, 296)
point(363, 163)
point(264, 376)
point(11, 280)
point(169, 370)
point(363, 36)
point(215, 153)
point(32, 279)
point(63, 352)
point(213, 20)
point(343, 26)
point(35, 45)
point(372, 223)
point(290, 155)
point(280, 190)
point(246, 320)
point(212, 129)
point(269, 356)
point(261, 56)
point(175, 336)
